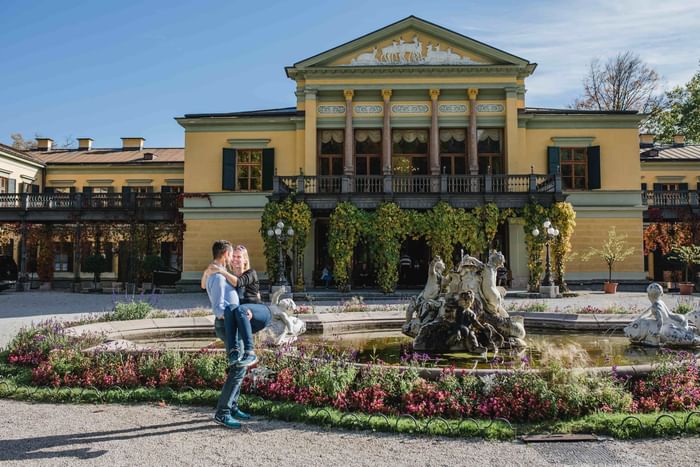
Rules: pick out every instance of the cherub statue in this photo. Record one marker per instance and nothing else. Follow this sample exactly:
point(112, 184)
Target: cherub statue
point(659, 326)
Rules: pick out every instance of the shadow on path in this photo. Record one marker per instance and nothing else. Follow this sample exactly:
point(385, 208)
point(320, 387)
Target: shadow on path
point(35, 448)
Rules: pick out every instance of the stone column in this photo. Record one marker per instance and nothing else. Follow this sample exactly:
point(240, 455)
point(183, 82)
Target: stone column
point(77, 286)
point(349, 168)
point(386, 133)
point(434, 133)
point(511, 130)
point(472, 152)
point(309, 132)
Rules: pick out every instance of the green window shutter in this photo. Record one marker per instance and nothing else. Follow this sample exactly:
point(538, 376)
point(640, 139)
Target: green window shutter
point(228, 172)
point(553, 160)
point(72, 189)
point(165, 189)
point(48, 190)
point(36, 189)
point(268, 168)
point(126, 190)
point(593, 167)
point(644, 187)
point(87, 190)
point(657, 186)
point(683, 186)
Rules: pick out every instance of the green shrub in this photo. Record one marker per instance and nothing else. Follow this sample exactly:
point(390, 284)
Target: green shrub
point(124, 311)
point(683, 308)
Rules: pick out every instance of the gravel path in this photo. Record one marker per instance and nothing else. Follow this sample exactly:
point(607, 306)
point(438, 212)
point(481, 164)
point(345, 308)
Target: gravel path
point(46, 434)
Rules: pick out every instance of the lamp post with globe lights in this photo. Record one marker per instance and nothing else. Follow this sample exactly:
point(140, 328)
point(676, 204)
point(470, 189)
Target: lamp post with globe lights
point(550, 233)
point(281, 233)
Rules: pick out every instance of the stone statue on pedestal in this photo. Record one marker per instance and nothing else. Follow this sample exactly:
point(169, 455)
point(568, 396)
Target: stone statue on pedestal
point(462, 310)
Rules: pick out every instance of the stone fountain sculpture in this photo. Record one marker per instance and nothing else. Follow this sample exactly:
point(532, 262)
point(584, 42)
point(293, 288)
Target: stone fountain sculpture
point(660, 327)
point(283, 328)
point(462, 310)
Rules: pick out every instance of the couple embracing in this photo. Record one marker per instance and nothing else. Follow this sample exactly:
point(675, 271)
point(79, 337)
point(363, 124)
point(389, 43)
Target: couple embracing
point(239, 313)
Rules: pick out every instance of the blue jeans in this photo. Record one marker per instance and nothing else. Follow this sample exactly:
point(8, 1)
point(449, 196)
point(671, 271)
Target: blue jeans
point(237, 323)
point(228, 400)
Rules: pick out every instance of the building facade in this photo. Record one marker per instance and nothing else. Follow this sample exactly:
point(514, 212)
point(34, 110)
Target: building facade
point(412, 113)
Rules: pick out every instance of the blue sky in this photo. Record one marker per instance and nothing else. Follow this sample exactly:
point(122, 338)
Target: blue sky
point(107, 69)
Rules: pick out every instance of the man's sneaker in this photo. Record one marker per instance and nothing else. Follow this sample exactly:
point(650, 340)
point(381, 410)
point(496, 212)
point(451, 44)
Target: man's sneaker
point(239, 414)
point(248, 359)
point(233, 357)
point(227, 421)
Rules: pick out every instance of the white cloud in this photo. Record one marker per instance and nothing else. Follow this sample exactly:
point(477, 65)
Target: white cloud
point(563, 38)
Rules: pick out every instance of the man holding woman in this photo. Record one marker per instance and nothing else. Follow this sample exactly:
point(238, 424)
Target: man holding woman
point(234, 321)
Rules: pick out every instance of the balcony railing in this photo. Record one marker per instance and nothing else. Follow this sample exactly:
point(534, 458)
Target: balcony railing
point(414, 184)
point(670, 198)
point(89, 201)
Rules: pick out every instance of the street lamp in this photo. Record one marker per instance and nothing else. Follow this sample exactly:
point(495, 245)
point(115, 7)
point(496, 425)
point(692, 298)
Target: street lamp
point(280, 234)
point(550, 233)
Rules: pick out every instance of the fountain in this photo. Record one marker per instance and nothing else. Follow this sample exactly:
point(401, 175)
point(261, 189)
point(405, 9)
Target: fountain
point(463, 310)
point(660, 327)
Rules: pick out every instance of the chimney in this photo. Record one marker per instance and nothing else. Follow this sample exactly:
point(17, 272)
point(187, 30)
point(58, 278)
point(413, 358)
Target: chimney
point(678, 141)
point(646, 140)
point(44, 144)
point(84, 144)
point(132, 144)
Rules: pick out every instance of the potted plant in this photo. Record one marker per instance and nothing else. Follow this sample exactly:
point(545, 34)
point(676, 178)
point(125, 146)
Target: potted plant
point(688, 255)
point(96, 264)
point(614, 250)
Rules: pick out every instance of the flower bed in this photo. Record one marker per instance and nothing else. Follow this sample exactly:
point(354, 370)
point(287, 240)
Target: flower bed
point(322, 377)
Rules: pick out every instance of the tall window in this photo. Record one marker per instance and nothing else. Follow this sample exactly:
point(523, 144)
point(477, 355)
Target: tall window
point(4, 184)
point(330, 152)
point(63, 257)
point(574, 168)
point(368, 160)
point(409, 152)
point(453, 151)
point(490, 150)
point(249, 169)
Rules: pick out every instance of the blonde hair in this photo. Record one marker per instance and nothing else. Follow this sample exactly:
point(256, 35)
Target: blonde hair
point(244, 254)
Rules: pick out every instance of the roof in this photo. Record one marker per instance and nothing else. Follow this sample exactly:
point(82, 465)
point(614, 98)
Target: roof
point(110, 156)
point(547, 111)
point(19, 154)
point(671, 153)
point(281, 112)
point(419, 24)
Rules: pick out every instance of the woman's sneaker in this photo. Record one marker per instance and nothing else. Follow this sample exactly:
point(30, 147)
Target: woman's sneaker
point(249, 358)
point(227, 420)
point(233, 358)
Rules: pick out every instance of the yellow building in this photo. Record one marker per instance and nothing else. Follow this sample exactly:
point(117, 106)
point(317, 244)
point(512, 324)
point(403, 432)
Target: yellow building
point(670, 188)
point(119, 202)
point(412, 113)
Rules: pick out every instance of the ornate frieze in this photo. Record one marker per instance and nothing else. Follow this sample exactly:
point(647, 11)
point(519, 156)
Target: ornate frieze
point(410, 109)
point(367, 109)
point(452, 108)
point(491, 108)
point(331, 109)
point(416, 52)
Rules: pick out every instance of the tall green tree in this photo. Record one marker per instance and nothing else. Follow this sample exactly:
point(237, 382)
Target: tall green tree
point(681, 115)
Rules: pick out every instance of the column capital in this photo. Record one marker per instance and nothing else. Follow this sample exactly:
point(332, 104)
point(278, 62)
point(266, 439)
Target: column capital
point(310, 93)
point(434, 93)
point(472, 93)
point(348, 93)
point(386, 94)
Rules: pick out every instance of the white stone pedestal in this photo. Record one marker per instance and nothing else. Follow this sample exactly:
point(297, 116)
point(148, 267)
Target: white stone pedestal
point(549, 291)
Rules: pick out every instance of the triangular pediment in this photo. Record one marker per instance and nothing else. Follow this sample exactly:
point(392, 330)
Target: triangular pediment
point(411, 42)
